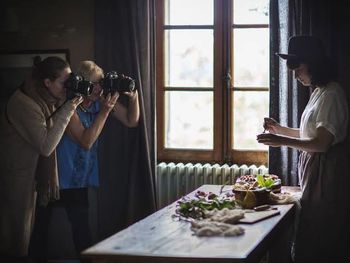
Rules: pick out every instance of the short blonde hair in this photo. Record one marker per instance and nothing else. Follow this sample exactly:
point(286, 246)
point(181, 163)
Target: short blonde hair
point(87, 68)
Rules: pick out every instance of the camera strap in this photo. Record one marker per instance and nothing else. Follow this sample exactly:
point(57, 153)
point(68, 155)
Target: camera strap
point(53, 113)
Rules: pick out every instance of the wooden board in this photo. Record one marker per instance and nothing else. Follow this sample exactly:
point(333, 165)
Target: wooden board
point(253, 217)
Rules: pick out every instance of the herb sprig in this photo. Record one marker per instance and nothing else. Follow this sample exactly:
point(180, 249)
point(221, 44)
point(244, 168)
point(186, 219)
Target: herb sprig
point(196, 207)
point(264, 182)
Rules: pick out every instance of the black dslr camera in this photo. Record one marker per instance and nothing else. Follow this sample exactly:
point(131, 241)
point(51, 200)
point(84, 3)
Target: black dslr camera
point(113, 82)
point(77, 85)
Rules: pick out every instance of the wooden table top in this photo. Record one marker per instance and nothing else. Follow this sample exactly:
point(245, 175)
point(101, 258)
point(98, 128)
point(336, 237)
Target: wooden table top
point(162, 238)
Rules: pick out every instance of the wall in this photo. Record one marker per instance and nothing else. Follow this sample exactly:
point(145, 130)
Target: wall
point(40, 24)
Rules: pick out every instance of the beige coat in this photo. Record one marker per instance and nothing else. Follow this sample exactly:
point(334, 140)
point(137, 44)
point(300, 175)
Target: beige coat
point(21, 142)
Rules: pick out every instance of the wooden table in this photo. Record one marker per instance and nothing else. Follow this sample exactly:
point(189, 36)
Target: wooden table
point(163, 238)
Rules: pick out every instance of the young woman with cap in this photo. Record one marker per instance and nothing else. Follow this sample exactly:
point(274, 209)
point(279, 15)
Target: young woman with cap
point(322, 230)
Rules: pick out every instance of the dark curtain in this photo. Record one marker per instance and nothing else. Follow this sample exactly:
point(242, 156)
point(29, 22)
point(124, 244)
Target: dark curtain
point(287, 97)
point(124, 32)
point(341, 48)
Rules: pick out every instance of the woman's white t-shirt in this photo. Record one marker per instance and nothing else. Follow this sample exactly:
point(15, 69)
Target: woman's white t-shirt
point(326, 108)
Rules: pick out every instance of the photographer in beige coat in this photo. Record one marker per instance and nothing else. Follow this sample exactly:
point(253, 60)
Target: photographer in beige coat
point(31, 127)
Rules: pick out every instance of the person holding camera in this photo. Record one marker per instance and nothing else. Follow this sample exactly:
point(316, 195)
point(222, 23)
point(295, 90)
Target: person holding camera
point(77, 154)
point(33, 122)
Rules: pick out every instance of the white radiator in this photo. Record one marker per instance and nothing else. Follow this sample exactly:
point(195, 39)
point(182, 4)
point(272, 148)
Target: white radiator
point(174, 180)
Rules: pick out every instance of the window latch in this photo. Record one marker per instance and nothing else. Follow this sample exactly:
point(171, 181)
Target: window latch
point(227, 79)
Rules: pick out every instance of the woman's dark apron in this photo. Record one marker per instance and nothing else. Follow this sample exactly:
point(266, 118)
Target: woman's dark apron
point(323, 226)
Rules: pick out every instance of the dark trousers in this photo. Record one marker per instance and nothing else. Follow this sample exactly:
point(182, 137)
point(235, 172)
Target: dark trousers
point(75, 202)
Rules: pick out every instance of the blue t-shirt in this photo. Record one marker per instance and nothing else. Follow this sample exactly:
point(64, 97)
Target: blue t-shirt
point(77, 167)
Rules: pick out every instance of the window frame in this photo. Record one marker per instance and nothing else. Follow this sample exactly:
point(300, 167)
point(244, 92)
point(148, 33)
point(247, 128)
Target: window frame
point(222, 94)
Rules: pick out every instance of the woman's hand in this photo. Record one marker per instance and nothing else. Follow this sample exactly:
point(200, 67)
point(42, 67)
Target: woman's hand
point(132, 95)
point(76, 101)
point(271, 139)
point(108, 102)
point(271, 125)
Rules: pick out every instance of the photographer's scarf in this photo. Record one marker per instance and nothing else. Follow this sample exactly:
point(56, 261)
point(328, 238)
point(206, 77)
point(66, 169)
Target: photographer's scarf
point(46, 171)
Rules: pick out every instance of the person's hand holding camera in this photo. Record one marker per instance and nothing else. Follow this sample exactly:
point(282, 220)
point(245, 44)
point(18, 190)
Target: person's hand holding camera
point(76, 101)
point(108, 102)
point(131, 94)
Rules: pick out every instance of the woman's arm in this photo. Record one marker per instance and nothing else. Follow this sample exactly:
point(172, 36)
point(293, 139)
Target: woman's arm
point(86, 137)
point(290, 132)
point(30, 122)
point(128, 116)
point(321, 143)
point(274, 127)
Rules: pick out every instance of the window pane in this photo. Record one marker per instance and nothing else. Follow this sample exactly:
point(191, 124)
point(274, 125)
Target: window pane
point(251, 57)
point(251, 12)
point(250, 108)
point(189, 120)
point(189, 58)
point(189, 12)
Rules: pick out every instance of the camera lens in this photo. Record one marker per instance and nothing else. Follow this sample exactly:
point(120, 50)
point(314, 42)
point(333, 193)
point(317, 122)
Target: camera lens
point(113, 82)
point(127, 84)
point(85, 87)
point(76, 85)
